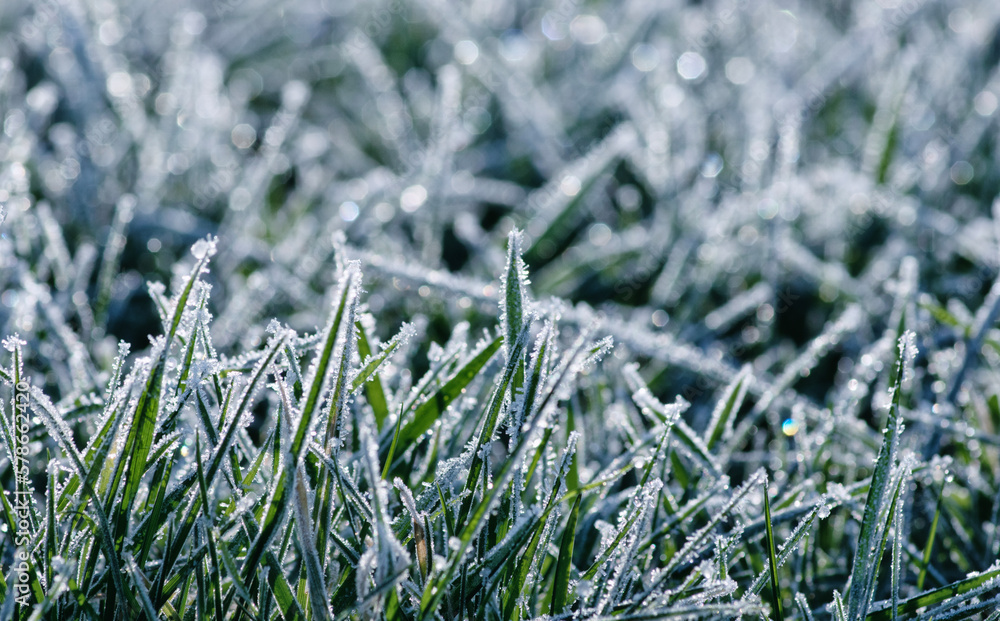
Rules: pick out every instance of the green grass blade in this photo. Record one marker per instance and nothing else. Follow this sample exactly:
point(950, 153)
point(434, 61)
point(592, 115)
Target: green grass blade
point(429, 410)
point(314, 573)
point(726, 409)
point(936, 596)
point(560, 585)
point(772, 558)
point(866, 558)
point(513, 291)
point(488, 426)
point(392, 448)
point(368, 376)
point(929, 546)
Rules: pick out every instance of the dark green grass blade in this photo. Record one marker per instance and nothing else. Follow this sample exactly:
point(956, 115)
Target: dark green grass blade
point(488, 426)
point(369, 377)
point(773, 558)
point(727, 408)
point(929, 546)
point(428, 412)
point(560, 585)
point(392, 448)
point(935, 596)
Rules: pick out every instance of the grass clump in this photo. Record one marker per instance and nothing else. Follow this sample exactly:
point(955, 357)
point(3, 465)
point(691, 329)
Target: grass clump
point(474, 491)
point(438, 311)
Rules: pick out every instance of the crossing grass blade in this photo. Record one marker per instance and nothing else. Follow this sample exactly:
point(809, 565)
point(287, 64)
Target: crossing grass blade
point(429, 410)
point(935, 596)
point(368, 375)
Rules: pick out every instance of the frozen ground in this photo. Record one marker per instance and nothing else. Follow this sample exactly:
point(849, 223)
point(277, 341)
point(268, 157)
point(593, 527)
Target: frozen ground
point(396, 242)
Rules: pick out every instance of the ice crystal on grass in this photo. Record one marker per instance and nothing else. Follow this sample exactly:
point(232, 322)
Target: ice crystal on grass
point(783, 216)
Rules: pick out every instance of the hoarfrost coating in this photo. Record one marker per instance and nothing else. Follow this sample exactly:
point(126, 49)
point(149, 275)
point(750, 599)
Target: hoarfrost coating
point(645, 309)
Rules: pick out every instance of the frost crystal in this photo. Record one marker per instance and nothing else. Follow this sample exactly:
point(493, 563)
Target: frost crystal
point(766, 207)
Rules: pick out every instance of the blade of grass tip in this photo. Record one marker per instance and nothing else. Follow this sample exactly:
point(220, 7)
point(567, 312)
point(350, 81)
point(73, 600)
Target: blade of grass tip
point(805, 614)
point(513, 302)
point(564, 564)
point(929, 546)
point(838, 607)
point(513, 291)
point(865, 565)
point(422, 544)
point(772, 557)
